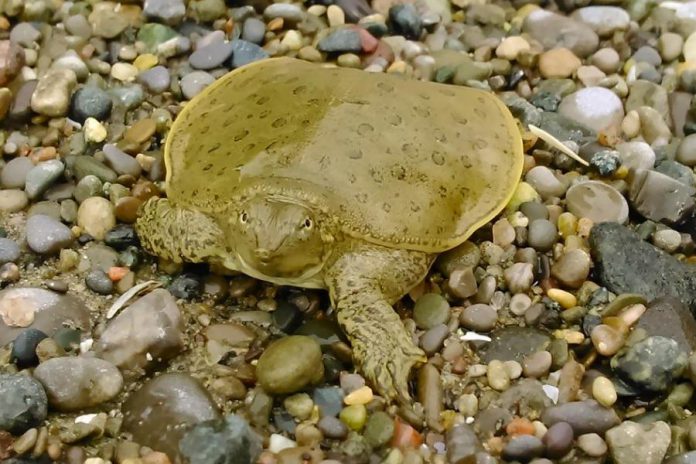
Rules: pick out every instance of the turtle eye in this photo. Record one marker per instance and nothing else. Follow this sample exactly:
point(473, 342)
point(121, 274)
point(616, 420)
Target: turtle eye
point(308, 224)
point(243, 217)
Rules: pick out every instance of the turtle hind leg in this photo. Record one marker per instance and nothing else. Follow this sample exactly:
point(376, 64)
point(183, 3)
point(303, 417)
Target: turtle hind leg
point(364, 282)
point(178, 234)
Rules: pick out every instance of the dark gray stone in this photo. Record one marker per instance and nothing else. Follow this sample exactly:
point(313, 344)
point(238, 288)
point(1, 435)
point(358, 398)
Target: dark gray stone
point(354, 10)
point(341, 41)
point(523, 448)
point(661, 198)
point(669, 317)
point(227, 441)
point(513, 344)
point(23, 403)
point(583, 416)
point(651, 365)
point(405, 21)
point(24, 347)
point(90, 102)
point(626, 264)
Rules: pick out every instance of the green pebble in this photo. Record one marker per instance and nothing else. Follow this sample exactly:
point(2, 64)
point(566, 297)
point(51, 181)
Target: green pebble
point(379, 429)
point(430, 310)
point(153, 34)
point(299, 405)
point(354, 416)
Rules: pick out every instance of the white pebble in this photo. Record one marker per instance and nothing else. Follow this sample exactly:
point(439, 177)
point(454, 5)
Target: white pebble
point(94, 131)
point(124, 72)
point(278, 443)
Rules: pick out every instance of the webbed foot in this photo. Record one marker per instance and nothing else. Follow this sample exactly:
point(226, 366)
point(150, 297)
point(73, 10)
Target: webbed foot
point(387, 362)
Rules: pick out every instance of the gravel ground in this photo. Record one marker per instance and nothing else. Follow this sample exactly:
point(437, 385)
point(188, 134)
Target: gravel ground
point(562, 331)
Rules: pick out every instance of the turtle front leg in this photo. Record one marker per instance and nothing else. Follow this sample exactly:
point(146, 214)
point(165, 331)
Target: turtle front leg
point(364, 282)
point(178, 234)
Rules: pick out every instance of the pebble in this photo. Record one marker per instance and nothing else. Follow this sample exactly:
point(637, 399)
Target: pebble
point(592, 444)
point(95, 132)
point(193, 83)
point(667, 239)
point(645, 443)
point(290, 364)
point(171, 398)
point(74, 383)
point(379, 429)
point(542, 234)
point(148, 331)
point(652, 364)
point(121, 162)
point(597, 201)
point(545, 182)
point(519, 277)
point(519, 303)
point(218, 440)
point(46, 235)
point(25, 34)
point(98, 281)
point(523, 448)
point(341, 40)
point(596, 108)
point(637, 155)
point(211, 56)
point(24, 347)
point(71, 60)
point(430, 310)
point(167, 11)
point(253, 30)
point(406, 21)
point(558, 63)
point(511, 47)
point(9, 251)
point(537, 364)
point(332, 427)
point(52, 94)
point(603, 391)
point(12, 58)
point(670, 46)
point(462, 444)
point(42, 176)
point(606, 59)
point(572, 268)
point(498, 377)
point(686, 153)
point(156, 79)
point(604, 20)
point(583, 416)
point(479, 317)
point(554, 30)
point(96, 217)
point(287, 11)
point(558, 440)
point(246, 52)
point(648, 186)
point(14, 173)
point(23, 403)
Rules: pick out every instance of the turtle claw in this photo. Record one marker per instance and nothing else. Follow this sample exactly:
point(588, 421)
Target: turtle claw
point(388, 367)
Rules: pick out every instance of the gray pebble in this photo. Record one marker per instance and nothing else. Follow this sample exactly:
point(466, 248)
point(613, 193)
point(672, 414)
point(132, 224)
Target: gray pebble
point(542, 234)
point(167, 11)
point(534, 210)
point(341, 40)
point(98, 281)
point(545, 182)
point(157, 79)
point(246, 52)
point(583, 416)
point(90, 102)
point(89, 186)
point(129, 96)
point(211, 56)
point(23, 403)
point(287, 11)
point(42, 176)
point(253, 30)
point(9, 251)
point(74, 383)
point(332, 427)
point(431, 341)
point(24, 34)
point(14, 174)
point(46, 235)
point(13, 200)
point(78, 25)
point(479, 317)
point(192, 84)
point(523, 448)
point(558, 440)
point(537, 364)
point(592, 444)
point(120, 161)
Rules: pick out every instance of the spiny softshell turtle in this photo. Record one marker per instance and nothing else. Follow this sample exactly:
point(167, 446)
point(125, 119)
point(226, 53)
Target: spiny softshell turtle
point(334, 178)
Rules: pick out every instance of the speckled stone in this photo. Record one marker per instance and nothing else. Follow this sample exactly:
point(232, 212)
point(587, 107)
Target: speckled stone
point(652, 365)
point(630, 443)
point(594, 107)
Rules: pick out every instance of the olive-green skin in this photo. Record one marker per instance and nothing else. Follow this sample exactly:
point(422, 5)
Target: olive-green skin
point(334, 178)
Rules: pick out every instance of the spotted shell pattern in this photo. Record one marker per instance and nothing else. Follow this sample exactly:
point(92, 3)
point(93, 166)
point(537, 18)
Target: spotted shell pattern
point(392, 160)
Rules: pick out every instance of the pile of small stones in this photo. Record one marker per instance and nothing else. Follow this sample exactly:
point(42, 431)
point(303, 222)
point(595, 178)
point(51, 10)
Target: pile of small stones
point(563, 331)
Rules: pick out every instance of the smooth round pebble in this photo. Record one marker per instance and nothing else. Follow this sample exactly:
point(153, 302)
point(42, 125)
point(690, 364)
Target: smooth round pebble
point(558, 440)
point(603, 391)
point(479, 317)
point(430, 310)
point(98, 281)
point(193, 83)
point(597, 201)
point(290, 364)
point(592, 444)
point(46, 235)
point(542, 234)
point(537, 364)
point(24, 347)
point(96, 217)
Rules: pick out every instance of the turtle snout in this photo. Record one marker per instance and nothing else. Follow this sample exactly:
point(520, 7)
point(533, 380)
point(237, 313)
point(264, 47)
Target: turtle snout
point(263, 255)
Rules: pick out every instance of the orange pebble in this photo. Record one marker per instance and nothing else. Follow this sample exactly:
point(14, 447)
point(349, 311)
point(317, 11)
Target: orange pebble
point(405, 436)
point(117, 273)
point(520, 426)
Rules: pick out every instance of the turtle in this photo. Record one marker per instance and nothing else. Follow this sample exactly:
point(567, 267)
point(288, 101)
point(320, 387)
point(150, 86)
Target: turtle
point(322, 177)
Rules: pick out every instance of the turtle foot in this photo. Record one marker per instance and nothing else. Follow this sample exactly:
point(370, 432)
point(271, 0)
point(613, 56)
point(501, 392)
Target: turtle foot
point(387, 363)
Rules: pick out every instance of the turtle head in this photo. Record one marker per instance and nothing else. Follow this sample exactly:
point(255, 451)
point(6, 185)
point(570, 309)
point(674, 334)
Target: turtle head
point(278, 237)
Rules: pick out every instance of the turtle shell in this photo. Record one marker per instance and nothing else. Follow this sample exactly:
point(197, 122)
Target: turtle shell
point(393, 160)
